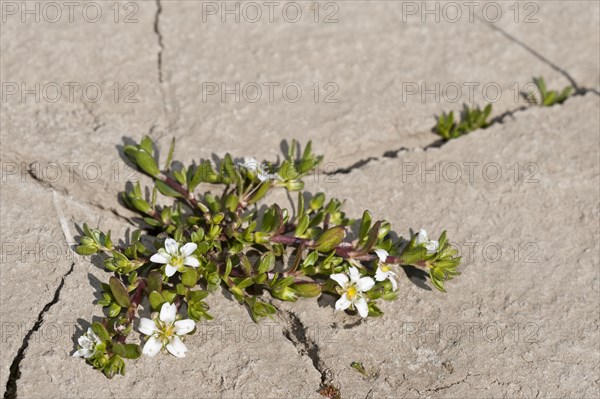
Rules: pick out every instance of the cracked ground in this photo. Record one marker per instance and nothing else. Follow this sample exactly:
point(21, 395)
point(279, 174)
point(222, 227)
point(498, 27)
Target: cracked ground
point(520, 199)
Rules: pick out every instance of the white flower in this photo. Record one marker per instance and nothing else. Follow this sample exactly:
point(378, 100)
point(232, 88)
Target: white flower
point(352, 287)
point(430, 245)
point(87, 342)
point(165, 332)
point(262, 171)
point(384, 270)
point(175, 257)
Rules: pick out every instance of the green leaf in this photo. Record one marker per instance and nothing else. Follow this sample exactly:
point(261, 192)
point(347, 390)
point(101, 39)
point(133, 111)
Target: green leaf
point(317, 201)
point(302, 225)
point(114, 366)
point(198, 295)
point(365, 224)
point(114, 309)
point(84, 250)
point(165, 189)
point(372, 238)
point(154, 281)
point(438, 277)
point(147, 144)
point(311, 259)
point(128, 351)
point(331, 239)
point(169, 295)
point(119, 291)
point(247, 282)
point(190, 277)
point(100, 331)
point(307, 290)
point(156, 300)
point(267, 262)
point(170, 155)
point(259, 193)
point(232, 202)
point(145, 162)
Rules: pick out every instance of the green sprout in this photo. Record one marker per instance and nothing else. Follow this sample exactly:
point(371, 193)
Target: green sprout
point(471, 118)
point(548, 97)
point(191, 243)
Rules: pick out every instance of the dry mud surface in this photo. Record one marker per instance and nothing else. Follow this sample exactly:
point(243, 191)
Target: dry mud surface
point(520, 199)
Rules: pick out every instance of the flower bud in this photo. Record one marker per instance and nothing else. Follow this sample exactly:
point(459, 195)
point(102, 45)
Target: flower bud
point(261, 237)
point(307, 290)
point(285, 294)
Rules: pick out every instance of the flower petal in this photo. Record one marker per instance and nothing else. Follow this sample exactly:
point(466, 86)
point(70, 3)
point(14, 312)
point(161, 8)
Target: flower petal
point(365, 284)
point(382, 254)
point(177, 347)
point(168, 312)
point(170, 270)
point(362, 307)
point(380, 275)
point(84, 341)
point(188, 249)
point(147, 326)
point(432, 246)
point(340, 278)
point(191, 261)
point(263, 177)
point(394, 283)
point(183, 327)
point(92, 335)
point(160, 258)
point(152, 347)
point(171, 246)
point(343, 303)
point(85, 353)
point(421, 237)
point(354, 274)
point(250, 164)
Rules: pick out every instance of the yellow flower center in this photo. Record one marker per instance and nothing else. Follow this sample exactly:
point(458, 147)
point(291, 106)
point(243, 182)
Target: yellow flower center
point(385, 268)
point(177, 261)
point(165, 331)
point(351, 293)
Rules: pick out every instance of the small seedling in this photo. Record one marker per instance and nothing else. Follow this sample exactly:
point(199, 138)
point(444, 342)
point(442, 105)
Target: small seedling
point(548, 97)
point(190, 244)
point(358, 366)
point(471, 118)
point(330, 392)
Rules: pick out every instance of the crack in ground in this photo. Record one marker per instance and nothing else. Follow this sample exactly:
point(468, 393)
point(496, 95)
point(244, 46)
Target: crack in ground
point(357, 165)
point(500, 119)
point(47, 185)
point(15, 367)
point(295, 332)
point(441, 388)
point(532, 52)
point(578, 89)
point(169, 102)
point(160, 40)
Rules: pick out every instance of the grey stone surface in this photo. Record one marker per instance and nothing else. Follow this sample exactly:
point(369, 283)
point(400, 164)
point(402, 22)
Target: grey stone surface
point(376, 53)
point(518, 322)
point(574, 48)
point(60, 166)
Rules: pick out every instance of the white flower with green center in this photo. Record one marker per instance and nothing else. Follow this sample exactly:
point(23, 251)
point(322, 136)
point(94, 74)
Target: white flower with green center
point(87, 342)
point(384, 270)
point(165, 332)
point(352, 287)
point(174, 257)
point(430, 245)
